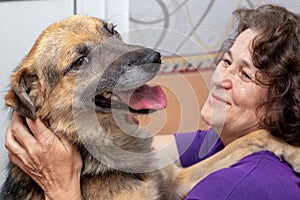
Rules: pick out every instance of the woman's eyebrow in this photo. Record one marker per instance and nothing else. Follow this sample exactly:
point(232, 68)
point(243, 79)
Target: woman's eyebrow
point(228, 52)
point(243, 61)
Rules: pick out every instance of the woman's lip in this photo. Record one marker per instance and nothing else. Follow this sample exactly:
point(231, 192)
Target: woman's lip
point(220, 99)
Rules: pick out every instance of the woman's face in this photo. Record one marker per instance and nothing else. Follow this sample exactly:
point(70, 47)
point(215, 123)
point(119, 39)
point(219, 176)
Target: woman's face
point(231, 107)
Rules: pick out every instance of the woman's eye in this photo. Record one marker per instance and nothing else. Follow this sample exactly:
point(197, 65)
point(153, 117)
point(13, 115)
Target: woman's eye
point(226, 62)
point(81, 62)
point(245, 76)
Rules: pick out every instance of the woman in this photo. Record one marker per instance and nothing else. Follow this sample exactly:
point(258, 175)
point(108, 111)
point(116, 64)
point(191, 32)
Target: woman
point(256, 85)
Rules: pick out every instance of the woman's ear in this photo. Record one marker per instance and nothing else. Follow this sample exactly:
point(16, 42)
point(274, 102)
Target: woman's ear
point(18, 98)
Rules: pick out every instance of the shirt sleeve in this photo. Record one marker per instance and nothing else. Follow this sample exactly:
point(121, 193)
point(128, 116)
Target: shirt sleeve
point(196, 146)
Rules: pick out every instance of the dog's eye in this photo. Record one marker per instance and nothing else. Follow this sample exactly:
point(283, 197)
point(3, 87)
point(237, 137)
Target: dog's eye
point(111, 28)
point(81, 62)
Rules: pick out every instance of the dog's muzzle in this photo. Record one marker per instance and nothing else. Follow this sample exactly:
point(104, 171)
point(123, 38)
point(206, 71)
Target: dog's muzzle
point(124, 85)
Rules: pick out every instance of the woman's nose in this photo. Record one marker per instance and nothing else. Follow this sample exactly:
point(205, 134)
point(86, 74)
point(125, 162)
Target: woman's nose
point(223, 78)
point(227, 84)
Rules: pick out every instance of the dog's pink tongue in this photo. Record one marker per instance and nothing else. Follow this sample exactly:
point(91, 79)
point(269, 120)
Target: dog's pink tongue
point(145, 97)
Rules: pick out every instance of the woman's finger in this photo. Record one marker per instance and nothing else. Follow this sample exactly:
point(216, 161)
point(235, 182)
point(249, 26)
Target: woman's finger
point(17, 161)
point(65, 142)
point(39, 130)
point(17, 154)
point(25, 166)
point(17, 121)
point(21, 132)
point(11, 143)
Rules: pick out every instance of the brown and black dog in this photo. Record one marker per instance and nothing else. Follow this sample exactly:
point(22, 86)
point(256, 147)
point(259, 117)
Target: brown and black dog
point(83, 78)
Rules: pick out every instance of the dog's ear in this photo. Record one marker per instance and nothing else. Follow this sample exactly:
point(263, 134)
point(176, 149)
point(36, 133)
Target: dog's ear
point(18, 98)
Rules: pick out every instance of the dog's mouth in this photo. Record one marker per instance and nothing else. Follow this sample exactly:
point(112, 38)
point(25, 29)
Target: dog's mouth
point(143, 100)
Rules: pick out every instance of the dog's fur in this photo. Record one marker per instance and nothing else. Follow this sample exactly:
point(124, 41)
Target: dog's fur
point(71, 65)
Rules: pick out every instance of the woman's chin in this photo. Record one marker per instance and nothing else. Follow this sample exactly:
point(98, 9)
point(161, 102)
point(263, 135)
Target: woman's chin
point(206, 114)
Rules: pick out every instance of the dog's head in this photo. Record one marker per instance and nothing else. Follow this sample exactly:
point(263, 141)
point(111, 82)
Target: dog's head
point(83, 62)
point(79, 70)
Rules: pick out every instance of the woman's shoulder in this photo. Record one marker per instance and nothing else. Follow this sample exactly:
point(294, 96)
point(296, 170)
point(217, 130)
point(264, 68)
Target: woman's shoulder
point(196, 146)
point(258, 176)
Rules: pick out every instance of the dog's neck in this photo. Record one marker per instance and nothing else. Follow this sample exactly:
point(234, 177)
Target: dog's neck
point(105, 147)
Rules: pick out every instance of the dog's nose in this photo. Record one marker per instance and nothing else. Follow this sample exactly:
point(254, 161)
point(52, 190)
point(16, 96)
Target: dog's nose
point(152, 57)
point(150, 61)
point(143, 56)
point(132, 68)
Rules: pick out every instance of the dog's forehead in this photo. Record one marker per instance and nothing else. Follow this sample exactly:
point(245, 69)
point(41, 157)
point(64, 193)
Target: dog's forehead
point(76, 28)
point(64, 38)
point(61, 43)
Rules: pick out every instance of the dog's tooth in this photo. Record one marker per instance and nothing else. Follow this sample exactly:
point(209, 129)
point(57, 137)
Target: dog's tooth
point(107, 95)
point(115, 98)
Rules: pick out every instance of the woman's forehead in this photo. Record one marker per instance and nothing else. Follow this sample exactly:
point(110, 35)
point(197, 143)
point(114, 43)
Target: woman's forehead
point(241, 48)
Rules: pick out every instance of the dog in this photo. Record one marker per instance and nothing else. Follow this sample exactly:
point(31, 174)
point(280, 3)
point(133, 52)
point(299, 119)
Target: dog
point(84, 82)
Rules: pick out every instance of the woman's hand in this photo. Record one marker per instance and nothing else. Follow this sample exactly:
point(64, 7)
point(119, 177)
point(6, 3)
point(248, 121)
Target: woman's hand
point(51, 161)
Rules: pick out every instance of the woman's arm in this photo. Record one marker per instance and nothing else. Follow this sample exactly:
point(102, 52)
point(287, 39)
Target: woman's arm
point(51, 161)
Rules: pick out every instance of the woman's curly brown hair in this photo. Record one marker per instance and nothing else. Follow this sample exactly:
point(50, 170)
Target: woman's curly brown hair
point(276, 53)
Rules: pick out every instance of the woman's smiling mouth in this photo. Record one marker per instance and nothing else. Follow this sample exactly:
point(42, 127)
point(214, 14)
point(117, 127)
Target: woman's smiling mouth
point(217, 99)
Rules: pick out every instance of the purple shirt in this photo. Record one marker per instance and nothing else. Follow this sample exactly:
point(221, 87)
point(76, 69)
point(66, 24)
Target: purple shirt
point(259, 176)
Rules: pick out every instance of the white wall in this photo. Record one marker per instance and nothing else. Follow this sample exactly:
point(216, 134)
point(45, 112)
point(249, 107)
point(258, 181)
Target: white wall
point(114, 11)
point(180, 24)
